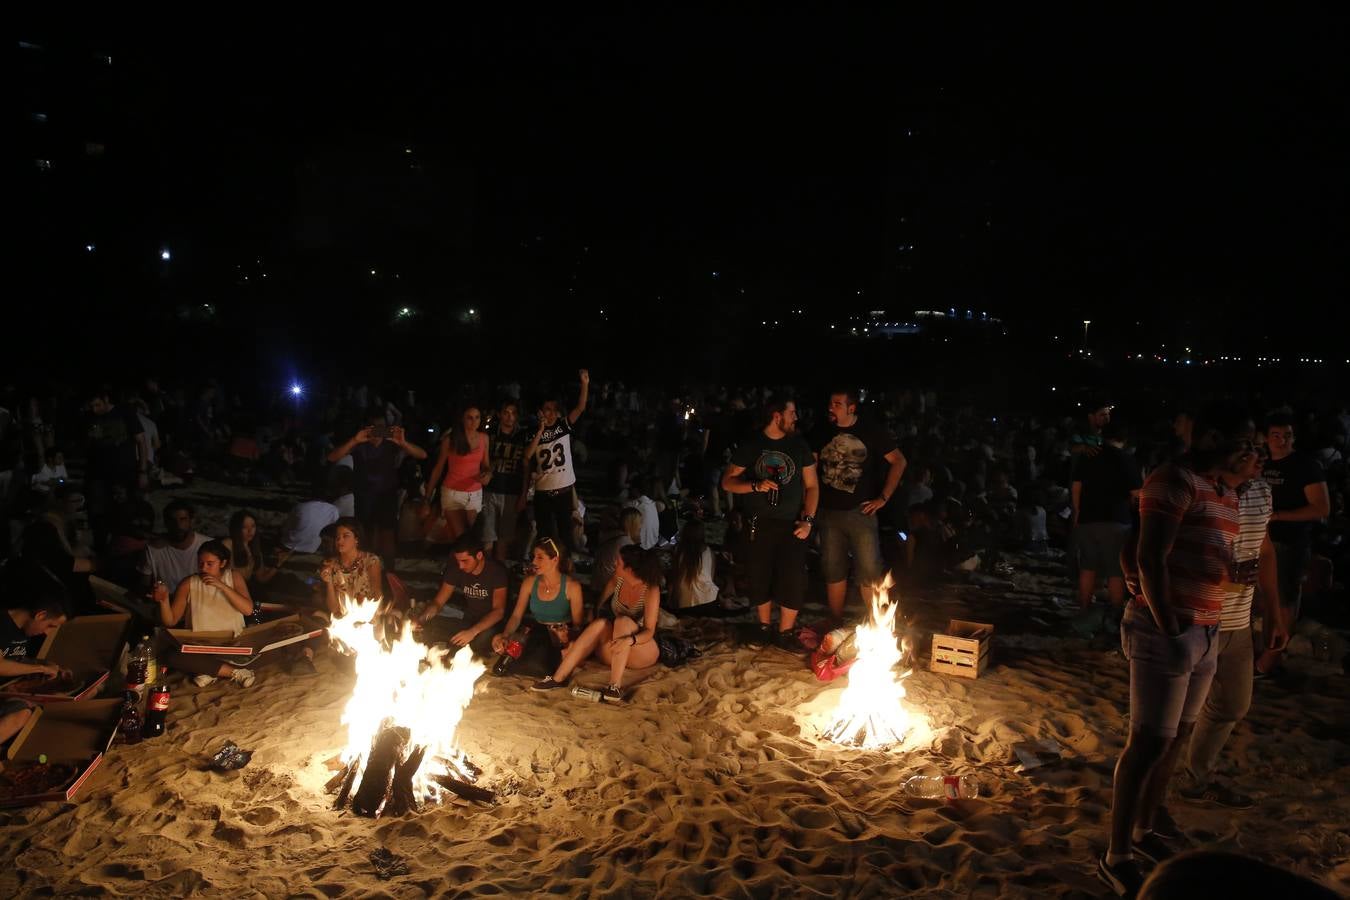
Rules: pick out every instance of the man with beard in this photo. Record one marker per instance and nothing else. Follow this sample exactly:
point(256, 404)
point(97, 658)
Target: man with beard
point(504, 494)
point(1189, 524)
point(174, 557)
point(860, 468)
point(776, 472)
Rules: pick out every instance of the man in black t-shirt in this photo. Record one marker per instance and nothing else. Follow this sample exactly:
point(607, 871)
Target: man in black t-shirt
point(118, 456)
point(860, 468)
point(504, 494)
point(479, 584)
point(1103, 486)
point(1298, 487)
point(27, 620)
point(774, 472)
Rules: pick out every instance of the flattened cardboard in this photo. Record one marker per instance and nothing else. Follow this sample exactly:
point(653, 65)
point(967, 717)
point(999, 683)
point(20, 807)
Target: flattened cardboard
point(77, 733)
point(249, 644)
point(119, 599)
point(89, 646)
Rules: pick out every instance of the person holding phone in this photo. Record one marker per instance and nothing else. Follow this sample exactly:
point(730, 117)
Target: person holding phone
point(377, 451)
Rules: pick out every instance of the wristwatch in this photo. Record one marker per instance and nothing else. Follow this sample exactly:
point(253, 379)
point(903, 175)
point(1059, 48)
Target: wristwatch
point(809, 520)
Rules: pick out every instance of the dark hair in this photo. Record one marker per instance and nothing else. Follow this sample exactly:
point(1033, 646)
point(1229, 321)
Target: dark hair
point(216, 549)
point(773, 407)
point(1115, 430)
point(352, 524)
point(376, 413)
point(550, 548)
point(689, 552)
point(508, 401)
point(176, 505)
point(851, 397)
point(459, 438)
point(51, 601)
point(468, 542)
point(245, 552)
point(645, 564)
point(1211, 439)
point(1279, 420)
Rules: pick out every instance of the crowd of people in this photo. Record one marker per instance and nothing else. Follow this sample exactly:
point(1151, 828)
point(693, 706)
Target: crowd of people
point(707, 502)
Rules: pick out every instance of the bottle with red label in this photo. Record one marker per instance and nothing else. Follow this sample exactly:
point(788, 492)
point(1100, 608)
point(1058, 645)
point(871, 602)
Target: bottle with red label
point(515, 645)
point(156, 708)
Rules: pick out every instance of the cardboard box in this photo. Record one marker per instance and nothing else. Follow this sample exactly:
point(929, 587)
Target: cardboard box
point(76, 734)
point(89, 646)
point(963, 650)
point(118, 599)
point(242, 649)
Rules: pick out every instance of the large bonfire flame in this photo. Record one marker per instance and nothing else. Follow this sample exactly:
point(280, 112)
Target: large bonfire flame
point(408, 684)
point(871, 713)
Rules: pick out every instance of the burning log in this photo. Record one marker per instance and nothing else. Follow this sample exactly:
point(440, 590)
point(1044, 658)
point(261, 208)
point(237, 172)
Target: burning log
point(345, 786)
point(402, 798)
point(464, 789)
point(385, 753)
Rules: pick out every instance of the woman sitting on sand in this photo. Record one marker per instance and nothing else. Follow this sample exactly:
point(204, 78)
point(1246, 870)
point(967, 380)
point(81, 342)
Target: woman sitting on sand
point(551, 598)
point(214, 599)
point(628, 639)
point(693, 583)
point(353, 573)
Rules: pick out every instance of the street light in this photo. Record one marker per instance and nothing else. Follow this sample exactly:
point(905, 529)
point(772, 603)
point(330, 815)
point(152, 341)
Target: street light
point(1086, 323)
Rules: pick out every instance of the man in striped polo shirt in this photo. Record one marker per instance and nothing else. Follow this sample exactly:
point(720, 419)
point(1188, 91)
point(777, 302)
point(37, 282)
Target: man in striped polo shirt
point(1188, 527)
point(1231, 693)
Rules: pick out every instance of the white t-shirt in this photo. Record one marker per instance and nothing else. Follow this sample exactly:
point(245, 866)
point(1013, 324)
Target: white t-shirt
point(651, 521)
point(171, 564)
point(553, 459)
point(48, 475)
point(304, 523)
point(703, 589)
point(346, 504)
point(151, 436)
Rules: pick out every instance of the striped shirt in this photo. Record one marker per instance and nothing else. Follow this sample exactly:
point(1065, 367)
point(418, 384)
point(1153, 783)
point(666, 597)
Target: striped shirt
point(1254, 508)
point(1200, 562)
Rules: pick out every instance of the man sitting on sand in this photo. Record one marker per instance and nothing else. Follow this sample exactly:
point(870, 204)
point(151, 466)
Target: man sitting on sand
point(174, 557)
point(34, 616)
point(479, 585)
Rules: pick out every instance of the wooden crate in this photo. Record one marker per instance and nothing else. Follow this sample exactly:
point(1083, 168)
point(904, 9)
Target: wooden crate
point(963, 650)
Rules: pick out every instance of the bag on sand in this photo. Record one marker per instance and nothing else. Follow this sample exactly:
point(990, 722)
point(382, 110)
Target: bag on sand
point(675, 650)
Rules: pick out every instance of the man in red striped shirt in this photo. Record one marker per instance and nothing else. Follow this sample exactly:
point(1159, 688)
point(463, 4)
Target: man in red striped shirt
point(1188, 527)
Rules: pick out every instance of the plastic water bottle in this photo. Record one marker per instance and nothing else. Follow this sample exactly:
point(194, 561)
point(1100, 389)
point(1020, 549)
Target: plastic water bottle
point(139, 666)
point(585, 693)
point(942, 787)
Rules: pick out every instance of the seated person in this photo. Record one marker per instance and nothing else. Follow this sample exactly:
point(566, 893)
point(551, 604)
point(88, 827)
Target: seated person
point(479, 585)
point(627, 639)
point(607, 557)
point(174, 557)
point(53, 471)
point(352, 573)
point(693, 583)
point(552, 599)
point(37, 615)
point(301, 533)
point(246, 553)
point(213, 599)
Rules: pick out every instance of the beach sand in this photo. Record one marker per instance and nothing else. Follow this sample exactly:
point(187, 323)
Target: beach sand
point(709, 781)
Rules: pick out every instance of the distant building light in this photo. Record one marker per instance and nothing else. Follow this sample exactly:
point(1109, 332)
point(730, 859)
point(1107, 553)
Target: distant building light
point(43, 165)
point(473, 312)
point(89, 248)
point(372, 271)
point(38, 117)
point(165, 255)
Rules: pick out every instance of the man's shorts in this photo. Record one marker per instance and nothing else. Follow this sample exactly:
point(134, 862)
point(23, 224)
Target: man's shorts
point(470, 501)
point(776, 564)
point(1098, 545)
point(1169, 676)
point(499, 517)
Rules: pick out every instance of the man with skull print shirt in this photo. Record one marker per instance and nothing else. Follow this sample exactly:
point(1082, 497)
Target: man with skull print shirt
point(860, 467)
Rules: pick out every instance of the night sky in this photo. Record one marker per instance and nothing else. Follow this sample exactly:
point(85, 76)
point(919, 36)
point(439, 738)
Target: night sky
point(1189, 179)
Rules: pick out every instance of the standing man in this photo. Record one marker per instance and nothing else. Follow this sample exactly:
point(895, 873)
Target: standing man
point(860, 468)
point(1104, 486)
point(118, 455)
point(776, 471)
point(1188, 527)
point(551, 454)
point(377, 451)
point(1230, 696)
point(1299, 488)
point(479, 584)
point(504, 493)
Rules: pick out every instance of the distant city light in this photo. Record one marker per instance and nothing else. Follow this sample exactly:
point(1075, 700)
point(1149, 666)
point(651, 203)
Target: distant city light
point(297, 390)
point(372, 271)
point(89, 248)
point(472, 312)
point(165, 255)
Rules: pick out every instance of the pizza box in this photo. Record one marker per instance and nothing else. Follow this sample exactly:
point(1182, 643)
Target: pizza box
point(69, 734)
point(89, 646)
point(118, 599)
point(249, 644)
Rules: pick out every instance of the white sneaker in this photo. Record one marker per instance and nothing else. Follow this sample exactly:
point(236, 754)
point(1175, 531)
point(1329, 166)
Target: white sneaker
point(203, 680)
point(243, 676)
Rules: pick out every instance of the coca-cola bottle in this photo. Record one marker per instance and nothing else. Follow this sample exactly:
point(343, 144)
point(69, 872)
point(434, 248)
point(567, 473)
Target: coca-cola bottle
point(129, 728)
point(515, 645)
point(156, 709)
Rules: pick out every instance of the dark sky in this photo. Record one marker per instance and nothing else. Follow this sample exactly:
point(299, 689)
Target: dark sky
point(1043, 170)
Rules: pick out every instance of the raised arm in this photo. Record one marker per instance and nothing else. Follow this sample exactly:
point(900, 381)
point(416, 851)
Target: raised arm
point(580, 408)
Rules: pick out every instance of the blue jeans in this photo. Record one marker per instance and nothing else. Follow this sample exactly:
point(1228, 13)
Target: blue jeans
point(1170, 677)
point(847, 530)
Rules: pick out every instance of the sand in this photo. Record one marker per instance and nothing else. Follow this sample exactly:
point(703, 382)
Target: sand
point(711, 781)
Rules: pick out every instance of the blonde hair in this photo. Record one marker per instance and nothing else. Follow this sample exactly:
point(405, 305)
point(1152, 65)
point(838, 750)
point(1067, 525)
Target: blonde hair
point(630, 523)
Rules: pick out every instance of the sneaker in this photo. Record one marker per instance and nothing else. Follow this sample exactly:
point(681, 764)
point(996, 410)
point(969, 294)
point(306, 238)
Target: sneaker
point(245, 677)
point(1124, 877)
point(790, 642)
point(611, 694)
point(760, 635)
point(203, 680)
point(548, 684)
point(1217, 794)
point(1166, 827)
point(1151, 848)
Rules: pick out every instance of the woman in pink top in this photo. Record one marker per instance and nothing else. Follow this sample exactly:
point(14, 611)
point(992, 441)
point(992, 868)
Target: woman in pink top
point(467, 466)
